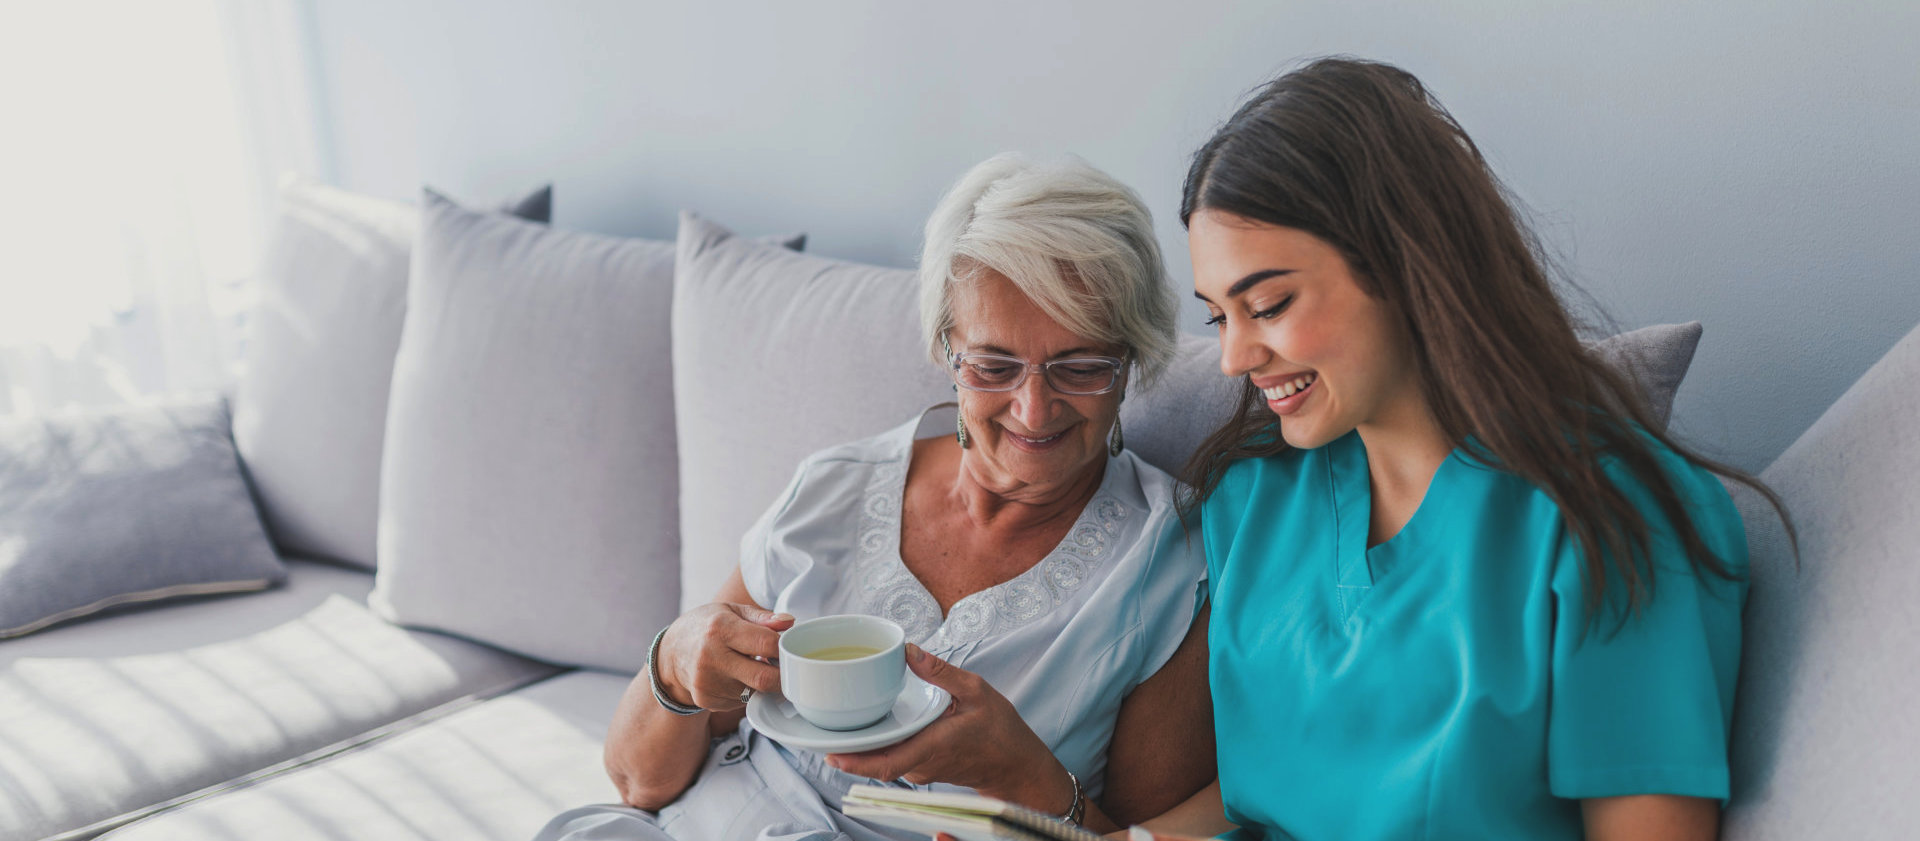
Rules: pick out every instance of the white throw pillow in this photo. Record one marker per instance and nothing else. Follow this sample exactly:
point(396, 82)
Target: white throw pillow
point(528, 496)
point(777, 355)
point(310, 411)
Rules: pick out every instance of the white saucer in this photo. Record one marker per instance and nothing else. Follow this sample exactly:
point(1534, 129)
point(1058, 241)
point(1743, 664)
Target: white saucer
point(918, 705)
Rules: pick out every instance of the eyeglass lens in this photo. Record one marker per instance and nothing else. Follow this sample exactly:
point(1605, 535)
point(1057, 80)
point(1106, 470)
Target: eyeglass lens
point(1068, 376)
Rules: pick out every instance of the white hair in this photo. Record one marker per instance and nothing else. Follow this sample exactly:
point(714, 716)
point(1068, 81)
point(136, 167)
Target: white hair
point(1075, 241)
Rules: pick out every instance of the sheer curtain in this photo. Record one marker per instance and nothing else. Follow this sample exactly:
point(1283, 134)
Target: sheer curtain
point(142, 144)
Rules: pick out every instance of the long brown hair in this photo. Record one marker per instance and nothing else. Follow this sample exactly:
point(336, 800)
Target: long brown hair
point(1362, 156)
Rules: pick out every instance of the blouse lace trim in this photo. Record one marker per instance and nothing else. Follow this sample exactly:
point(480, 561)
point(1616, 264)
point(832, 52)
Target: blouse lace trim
point(890, 590)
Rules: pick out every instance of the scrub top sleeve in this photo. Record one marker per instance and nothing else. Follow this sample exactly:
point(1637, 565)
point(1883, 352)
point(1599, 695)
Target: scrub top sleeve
point(1644, 707)
point(767, 566)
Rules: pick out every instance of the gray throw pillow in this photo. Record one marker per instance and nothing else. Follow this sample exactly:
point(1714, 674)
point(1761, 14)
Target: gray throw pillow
point(310, 409)
point(529, 496)
point(132, 505)
point(1656, 357)
point(1163, 422)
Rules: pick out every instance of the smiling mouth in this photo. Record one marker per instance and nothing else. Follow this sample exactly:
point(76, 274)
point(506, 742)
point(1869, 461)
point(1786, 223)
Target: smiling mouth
point(1036, 442)
point(1287, 398)
point(1290, 387)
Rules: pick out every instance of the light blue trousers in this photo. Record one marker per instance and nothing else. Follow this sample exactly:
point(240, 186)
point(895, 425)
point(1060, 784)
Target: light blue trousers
point(745, 792)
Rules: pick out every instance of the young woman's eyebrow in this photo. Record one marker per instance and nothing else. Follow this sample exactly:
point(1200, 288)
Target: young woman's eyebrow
point(1245, 283)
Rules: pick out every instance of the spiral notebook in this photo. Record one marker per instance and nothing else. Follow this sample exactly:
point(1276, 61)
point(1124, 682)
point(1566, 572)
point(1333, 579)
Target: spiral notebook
point(968, 817)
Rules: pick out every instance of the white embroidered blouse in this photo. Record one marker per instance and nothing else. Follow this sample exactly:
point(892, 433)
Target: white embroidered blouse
point(1065, 641)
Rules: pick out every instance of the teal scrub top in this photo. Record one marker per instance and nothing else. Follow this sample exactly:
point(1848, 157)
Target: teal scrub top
point(1447, 683)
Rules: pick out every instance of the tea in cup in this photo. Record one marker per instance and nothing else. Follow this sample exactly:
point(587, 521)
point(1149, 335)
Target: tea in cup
point(843, 672)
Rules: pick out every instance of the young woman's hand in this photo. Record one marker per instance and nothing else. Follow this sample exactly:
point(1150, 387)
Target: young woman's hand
point(714, 651)
point(980, 742)
point(1200, 816)
point(1138, 833)
point(1141, 833)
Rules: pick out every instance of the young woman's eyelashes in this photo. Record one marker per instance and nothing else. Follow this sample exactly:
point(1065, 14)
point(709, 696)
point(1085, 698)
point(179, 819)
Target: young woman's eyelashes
point(1220, 318)
point(1274, 310)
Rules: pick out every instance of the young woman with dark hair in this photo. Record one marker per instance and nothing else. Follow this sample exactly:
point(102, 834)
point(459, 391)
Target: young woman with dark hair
point(1464, 585)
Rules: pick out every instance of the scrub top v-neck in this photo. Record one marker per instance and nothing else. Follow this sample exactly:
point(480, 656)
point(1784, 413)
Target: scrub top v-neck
point(1358, 567)
point(1446, 683)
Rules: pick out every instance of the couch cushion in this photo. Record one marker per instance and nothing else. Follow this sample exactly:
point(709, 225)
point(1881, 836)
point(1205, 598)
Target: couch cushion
point(496, 770)
point(529, 498)
point(99, 509)
point(85, 741)
point(1824, 728)
point(310, 410)
point(776, 355)
point(194, 621)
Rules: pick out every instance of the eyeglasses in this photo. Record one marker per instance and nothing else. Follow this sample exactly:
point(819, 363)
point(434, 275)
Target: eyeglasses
point(991, 372)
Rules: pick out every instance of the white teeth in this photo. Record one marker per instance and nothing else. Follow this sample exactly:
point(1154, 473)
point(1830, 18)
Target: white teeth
point(1289, 388)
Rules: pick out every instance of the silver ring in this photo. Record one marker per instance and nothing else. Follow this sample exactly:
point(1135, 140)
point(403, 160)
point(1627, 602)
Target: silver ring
point(746, 694)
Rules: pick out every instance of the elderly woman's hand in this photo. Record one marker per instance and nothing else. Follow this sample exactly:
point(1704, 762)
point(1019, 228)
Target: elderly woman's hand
point(981, 743)
point(716, 650)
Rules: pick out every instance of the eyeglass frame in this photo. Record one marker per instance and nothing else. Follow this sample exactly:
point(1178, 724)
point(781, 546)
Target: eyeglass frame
point(955, 360)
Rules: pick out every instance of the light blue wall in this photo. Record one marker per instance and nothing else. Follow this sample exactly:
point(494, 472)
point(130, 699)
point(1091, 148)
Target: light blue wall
point(1748, 164)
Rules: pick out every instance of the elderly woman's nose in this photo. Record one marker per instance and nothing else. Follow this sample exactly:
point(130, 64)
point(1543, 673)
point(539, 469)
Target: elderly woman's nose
point(1033, 403)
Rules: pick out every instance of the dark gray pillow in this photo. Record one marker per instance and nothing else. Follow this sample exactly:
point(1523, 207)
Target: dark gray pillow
point(108, 508)
point(1656, 357)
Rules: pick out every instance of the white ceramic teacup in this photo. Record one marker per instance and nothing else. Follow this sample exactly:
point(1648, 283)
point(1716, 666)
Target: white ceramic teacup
point(843, 694)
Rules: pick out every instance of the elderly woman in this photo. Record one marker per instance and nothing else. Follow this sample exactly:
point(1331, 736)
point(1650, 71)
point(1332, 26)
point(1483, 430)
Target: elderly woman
point(1037, 566)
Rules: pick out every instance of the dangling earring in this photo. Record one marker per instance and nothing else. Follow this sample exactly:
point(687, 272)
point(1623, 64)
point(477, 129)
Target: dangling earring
point(1116, 441)
point(959, 417)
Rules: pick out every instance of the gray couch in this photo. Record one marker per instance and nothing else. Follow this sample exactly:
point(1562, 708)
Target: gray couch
point(488, 453)
point(468, 699)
